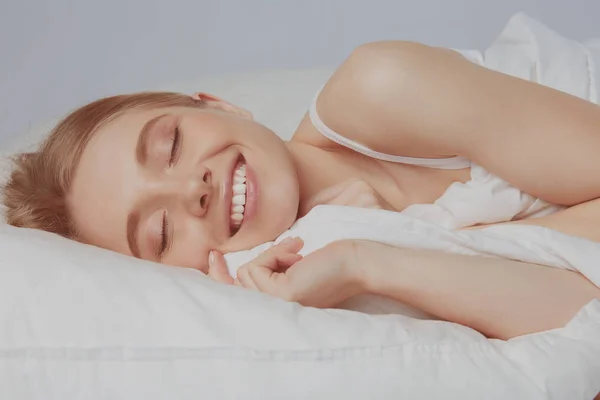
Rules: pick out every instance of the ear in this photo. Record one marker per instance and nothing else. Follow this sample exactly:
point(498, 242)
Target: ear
point(218, 103)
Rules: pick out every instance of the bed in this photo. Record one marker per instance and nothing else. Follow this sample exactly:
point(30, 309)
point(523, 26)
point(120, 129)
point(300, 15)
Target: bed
point(81, 322)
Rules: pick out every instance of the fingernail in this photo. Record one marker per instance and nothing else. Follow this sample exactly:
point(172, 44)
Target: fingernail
point(211, 257)
point(287, 240)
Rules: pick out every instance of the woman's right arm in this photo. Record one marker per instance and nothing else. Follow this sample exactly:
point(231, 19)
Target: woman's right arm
point(499, 298)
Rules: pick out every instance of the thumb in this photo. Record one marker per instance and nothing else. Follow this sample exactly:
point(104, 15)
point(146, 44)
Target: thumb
point(217, 268)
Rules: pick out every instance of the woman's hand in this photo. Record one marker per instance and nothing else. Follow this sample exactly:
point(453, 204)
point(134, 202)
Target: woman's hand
point(353, 193)
point(499, 298)
point(323, 279)
point(279, 257)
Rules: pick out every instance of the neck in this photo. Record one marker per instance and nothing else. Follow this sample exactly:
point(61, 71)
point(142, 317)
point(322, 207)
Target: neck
point(317, 170)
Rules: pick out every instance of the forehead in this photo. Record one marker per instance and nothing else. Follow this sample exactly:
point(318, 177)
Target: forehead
point(128, 124)
point(101, 193)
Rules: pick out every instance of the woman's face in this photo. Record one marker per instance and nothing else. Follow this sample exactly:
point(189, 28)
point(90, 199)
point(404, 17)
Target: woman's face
point(171, 184)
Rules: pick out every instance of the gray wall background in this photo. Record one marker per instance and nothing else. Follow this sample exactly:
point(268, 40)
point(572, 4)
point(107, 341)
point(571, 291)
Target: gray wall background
point(56, 55)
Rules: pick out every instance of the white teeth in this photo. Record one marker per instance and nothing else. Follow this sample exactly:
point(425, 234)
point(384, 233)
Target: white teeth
point(239, 200)
point(237, 209)
point(239, 188)
point(237, 217)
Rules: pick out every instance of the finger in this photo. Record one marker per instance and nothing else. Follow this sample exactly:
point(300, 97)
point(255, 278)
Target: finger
point(290, 244)
point(280, 262)
point(273, 283)
point(276, 255)
point(276, 261)
point(217, 268)
point(280, 256)
point(243, 276)
point(286, 260)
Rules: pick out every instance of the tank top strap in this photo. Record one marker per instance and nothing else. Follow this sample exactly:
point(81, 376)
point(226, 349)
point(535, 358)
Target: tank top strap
point(439, 163)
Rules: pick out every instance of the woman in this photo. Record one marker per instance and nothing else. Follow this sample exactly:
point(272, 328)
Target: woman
point(172, 178)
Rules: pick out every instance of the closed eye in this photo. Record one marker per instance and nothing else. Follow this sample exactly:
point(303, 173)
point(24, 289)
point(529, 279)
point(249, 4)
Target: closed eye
point(164, 236)
point(175, 146)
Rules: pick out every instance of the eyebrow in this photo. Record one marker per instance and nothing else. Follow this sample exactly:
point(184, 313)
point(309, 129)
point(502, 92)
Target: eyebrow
point(133, 221)
point(141, 148)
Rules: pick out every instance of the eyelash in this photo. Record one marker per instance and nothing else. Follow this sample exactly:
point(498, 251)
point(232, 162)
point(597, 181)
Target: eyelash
point(163, 235)
point(165, 222)
point(175, 146)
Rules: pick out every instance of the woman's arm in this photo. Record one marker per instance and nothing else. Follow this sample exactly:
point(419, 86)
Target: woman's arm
point(411, 99)
point(500, 298)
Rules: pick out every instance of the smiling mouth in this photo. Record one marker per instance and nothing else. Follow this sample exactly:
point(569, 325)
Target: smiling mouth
point(238, 196)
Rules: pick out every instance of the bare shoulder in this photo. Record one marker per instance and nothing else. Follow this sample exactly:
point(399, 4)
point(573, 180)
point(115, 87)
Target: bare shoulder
point(370, 100)
point(334, 104)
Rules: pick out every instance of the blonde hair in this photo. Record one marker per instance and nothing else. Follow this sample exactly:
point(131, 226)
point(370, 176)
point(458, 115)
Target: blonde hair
point(35, 193)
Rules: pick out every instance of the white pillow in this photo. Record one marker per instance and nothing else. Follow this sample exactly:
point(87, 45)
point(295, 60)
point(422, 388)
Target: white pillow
point(81, 322)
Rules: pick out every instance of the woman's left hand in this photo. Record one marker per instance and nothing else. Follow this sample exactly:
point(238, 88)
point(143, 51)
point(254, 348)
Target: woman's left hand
point(323, 278)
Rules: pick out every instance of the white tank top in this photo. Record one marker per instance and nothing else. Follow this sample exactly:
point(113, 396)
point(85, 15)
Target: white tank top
point(484, 199)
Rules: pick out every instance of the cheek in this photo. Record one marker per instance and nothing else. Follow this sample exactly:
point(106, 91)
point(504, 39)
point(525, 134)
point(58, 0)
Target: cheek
point(190, 249)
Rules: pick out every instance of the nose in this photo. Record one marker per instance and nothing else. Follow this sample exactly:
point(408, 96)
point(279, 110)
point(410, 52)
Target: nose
point(198, 191)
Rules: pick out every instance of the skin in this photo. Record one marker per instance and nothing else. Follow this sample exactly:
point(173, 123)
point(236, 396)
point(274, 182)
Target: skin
point(291, 177)
point(109, 183)
point(395, 97)
point(505, 298)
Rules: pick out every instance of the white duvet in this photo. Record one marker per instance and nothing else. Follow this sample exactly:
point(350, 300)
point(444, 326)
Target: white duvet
point(532, 244)
point(77, 322)
point(326, 224)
